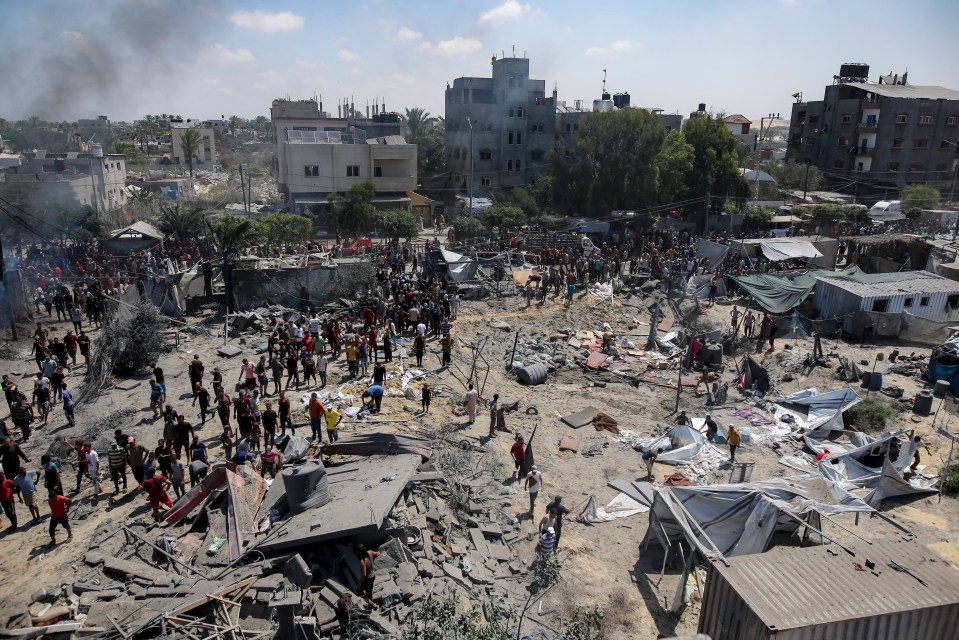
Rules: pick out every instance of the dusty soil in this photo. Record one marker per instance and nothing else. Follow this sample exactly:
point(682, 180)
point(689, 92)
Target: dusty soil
point(604, 566)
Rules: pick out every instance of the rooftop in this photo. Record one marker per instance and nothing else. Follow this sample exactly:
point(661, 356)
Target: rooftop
point(786, 588)
point(737, 118)
point(930, 92)
point(877, 284)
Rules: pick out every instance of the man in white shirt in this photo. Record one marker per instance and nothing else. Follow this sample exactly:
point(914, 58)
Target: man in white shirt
point(534, 483)
point(93, 468)
point(315, 327)
point(321, 364)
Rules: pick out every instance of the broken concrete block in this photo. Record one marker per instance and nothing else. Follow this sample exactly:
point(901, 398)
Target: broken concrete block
point(229, 350)
point(455, 574)
point(298, 572)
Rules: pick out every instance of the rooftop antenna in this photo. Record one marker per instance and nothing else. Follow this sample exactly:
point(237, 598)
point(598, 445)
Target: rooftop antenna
point(604, 80)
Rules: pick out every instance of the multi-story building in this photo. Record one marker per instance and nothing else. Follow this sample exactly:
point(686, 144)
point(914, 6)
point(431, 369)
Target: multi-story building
point(878, 136)
point(739, 125)
point(500, 129)
point(206, 150)
point(90, 126)
point(317, 155)
point(65, 180)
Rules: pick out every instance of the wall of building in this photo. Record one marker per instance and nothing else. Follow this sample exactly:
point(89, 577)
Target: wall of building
point(263, 287)
point(60, 180)
point(832, 301)
point(206, 152)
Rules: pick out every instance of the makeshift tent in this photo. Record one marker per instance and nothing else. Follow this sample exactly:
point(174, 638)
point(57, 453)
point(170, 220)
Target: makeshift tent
point(824, 410)
point(679, 444)
point(461, 268)
point(778, 294)
point(789, 250)
point(714, 252)
point(753, 375)
point(870, 468)
point(136, 237)
point(740, 519)
point(699, 286)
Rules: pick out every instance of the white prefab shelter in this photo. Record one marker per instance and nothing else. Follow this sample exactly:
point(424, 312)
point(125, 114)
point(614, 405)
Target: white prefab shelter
point(679, 444)
point(919, 293)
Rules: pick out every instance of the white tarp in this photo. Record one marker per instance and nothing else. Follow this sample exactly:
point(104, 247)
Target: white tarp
point(824, 409)
point(699, 286)
point(622, 506)
point(868, 467)
point(714, 252)
point(679, 444)
point(789, 250)
point(460, 267)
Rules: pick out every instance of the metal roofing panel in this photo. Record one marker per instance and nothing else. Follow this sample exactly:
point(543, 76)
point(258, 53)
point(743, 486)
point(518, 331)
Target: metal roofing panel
point(929, 92)
point(797, 587)
point(894, 284)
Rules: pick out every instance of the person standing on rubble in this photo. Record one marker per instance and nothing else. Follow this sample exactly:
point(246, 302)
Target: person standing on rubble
point(472, 398)
point(534, 484)
point(518, 453)
point(196, 373)
point(59, 515)
point(558, 509)
point(649, 459)
point(316, 411)
point(283, 404)
point(155, 488)
point(748, 321)
point(732, 438)
point(547, 542)
point(367, 572)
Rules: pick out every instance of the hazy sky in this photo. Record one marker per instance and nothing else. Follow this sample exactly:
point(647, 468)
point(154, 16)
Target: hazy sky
point(202, 59)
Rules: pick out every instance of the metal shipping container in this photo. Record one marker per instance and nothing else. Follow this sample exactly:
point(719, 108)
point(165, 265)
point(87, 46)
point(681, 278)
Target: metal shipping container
point(823, 593)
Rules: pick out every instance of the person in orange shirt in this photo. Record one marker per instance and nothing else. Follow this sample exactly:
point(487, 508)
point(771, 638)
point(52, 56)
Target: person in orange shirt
point(316, 417)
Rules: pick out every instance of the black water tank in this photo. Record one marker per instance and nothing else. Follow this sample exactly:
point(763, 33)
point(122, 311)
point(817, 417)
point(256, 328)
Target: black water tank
point(306, 486)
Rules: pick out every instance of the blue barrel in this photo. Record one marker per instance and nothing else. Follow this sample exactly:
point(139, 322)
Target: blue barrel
point(875, 381)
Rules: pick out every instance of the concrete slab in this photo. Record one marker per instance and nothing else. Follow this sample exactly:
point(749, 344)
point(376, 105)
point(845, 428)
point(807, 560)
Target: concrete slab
point(229, 351)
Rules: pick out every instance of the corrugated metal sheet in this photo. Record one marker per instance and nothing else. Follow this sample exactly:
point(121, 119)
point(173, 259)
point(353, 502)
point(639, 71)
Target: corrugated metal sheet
point(810, 594)
point(836, 298)
point(891, 284)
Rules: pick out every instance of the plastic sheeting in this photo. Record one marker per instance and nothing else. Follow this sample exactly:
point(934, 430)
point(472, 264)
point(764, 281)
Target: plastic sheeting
point(789, 250)
point(741, 519)
point(824, 409)
point(699, 286)
point(779, 294)
point(460, 267)
point(680, 444)
point(714, 252)
point(622, 506)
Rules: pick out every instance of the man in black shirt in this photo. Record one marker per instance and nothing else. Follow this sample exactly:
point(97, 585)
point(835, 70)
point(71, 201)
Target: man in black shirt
point(379, 373)
point(269, 419)
point(557, 508)
point(182, 433)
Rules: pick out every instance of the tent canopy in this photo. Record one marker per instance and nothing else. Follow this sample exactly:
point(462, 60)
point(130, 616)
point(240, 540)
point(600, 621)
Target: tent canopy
point(460, 267)
point(778, 294)
point(789, 250)
point(137, 230)
point(824, 409)
point(679, 444)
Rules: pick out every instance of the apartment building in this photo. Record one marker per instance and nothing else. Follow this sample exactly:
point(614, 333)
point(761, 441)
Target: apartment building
point(317, 155)
point(90, 126)
point(66, 180)
point(878, 136)
point(206, 151)
point(501, 127)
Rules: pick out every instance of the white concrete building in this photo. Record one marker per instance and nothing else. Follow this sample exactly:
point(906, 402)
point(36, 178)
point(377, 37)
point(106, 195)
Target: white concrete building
point(317, 156)
point(206, 152)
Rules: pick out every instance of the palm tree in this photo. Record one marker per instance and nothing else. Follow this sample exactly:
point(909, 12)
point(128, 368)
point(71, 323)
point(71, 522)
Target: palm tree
point(190, 143)
point(232, 234)
point(177, 220)
point(417, 121)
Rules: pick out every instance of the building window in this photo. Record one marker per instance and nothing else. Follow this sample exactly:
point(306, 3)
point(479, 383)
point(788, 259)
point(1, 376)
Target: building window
point(893, 167)
point(352, 171)
point(512, 81)
point(952, 301)
point(486, 181)
point(921, 143)
point(917, 167)
point(843, 142)
point(519, 112)
point(521, 81)
point(486, 154)
point(509, 165)
point(837, 164)
point(536, 155)
point(901, 118)
point(311, 171)
point(519, 137)
point(510, 138)
point(846, 118)
point(569, 127)
point(950, 121)
point(519, 165)
point(908, 303)
point(813, 119)
point(924, 301)
point(512, 112)
point(941, 167)
point(897, 143)
point(810, 140)
point(925, 119)
point(880, 306)
point(377, 171)
point(946, 144)
point(538, 128)
point(575, 126)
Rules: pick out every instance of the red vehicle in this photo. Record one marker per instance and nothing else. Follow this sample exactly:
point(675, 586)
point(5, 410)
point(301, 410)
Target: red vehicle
point(359, 246)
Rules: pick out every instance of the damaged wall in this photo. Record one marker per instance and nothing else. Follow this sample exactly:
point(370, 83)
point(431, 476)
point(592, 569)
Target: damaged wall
point(264, 287)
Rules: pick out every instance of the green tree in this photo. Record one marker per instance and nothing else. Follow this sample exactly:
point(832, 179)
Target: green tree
point(190, 143)
point(541, 189)
point(715, 169)
point(919, 196)
point(284, 228)
point(176, 219)
point(614, 159)
point(397, 224)
point(232, 235)
point(757, 217)
point(525, 201)
point(674, 163)
point(466, 227)
point(503, 216)
point(418, 121)
point(354, 213)
point(793, 176)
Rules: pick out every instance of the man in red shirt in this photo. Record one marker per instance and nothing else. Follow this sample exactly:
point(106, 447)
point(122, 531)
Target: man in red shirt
point(59, 508)
point(6, 500)
point(518, 451)
point(155, 488)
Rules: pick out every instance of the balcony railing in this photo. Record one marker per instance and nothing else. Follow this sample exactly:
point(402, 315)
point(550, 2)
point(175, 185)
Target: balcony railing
point(863, 151)
point(867, 126)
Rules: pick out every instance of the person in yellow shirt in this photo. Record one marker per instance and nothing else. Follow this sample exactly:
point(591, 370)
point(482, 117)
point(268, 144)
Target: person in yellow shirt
point(732, 437)
point(352, 357)
point(316, 410)
point(333, 420)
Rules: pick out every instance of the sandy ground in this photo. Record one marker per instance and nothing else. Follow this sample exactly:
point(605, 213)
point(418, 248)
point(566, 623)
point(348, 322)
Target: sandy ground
point(605, 566)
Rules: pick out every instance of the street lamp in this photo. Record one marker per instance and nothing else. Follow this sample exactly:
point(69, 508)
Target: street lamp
point(470, 123)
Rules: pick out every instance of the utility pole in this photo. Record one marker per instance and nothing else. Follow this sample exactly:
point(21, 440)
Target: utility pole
point(805, 184)
point(470, 123)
